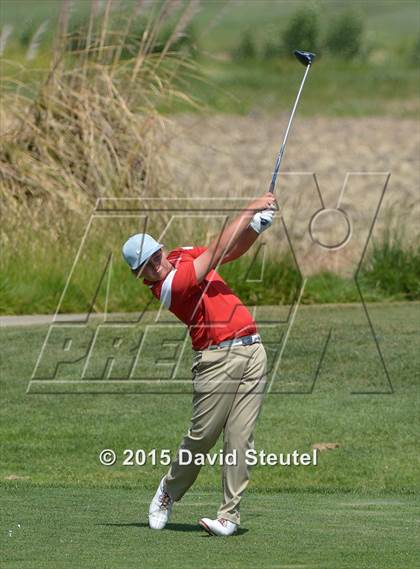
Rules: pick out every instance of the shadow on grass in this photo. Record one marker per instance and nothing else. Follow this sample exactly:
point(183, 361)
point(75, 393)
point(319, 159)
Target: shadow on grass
point(173, 527)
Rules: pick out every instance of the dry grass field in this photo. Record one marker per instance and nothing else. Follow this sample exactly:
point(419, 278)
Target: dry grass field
point(224, 155)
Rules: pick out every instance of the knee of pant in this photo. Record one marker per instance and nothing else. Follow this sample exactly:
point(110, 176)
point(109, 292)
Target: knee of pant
point(239, 439)
point(202, 440)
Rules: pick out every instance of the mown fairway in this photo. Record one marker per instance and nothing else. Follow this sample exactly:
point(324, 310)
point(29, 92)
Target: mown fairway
point(357, 508)
point(71, 529)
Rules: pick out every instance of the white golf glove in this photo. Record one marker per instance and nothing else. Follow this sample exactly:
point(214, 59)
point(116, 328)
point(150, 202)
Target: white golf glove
point(262, 220)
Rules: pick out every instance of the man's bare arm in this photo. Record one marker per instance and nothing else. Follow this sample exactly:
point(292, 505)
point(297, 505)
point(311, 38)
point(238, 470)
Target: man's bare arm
point(261, 221)
point(245, 241)
point(230, 235)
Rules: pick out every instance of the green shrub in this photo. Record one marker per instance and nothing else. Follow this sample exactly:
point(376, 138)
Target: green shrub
point(345, 35)
point(277, 282)
point(393, 269)
point(188, 41)
point(271, 50)
point(415, 53)
point(302, 31)
point(246, 48)
point(27, 32)
point(77, 34)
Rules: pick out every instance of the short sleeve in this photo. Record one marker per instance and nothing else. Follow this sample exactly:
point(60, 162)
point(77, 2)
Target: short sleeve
point(193, 252)
point(182, 282)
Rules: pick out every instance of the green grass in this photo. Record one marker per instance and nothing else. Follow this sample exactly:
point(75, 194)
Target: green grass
point(355, 509)
point(391, 272)
point(67, 529)
point(386, 83)
point(377, 433)
point(334, 89)
point(387, 22)
point(393, 268)
point(337, 89)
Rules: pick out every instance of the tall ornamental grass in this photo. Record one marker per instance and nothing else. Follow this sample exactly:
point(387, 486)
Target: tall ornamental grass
point(90, 127)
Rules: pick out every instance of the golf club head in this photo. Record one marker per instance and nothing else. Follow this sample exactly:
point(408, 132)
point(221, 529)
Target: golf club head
point(305, 57)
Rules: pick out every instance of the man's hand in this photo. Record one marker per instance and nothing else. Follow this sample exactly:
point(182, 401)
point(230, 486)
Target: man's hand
point(266, 201)
point(230, 235)
point(262, 220)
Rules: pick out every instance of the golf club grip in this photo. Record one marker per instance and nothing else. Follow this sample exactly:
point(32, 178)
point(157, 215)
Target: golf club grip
point(271, 189)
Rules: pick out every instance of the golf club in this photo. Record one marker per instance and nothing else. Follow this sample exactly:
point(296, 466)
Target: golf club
point(306, 58)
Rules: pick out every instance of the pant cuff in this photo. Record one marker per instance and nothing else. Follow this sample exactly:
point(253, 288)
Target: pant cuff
point(231, 518)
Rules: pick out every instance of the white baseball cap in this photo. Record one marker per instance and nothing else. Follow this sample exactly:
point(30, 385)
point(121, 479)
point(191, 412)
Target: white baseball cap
point(138, 248)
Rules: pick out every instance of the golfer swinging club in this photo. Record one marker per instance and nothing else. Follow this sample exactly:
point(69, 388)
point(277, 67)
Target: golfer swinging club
point(229, 364)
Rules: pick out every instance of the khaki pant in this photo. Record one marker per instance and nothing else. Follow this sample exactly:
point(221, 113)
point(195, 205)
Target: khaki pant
point(229, 387)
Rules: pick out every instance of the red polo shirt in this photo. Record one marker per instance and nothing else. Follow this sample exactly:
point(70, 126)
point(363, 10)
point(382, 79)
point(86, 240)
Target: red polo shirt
point(210, 309)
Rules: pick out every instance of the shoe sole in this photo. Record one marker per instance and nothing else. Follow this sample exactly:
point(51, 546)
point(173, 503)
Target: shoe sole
point(206, 528)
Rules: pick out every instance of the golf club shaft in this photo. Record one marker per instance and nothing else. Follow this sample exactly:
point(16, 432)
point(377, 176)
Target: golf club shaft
point(283, 146)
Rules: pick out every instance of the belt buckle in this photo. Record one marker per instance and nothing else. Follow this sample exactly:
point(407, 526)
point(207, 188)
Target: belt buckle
point(247, 341)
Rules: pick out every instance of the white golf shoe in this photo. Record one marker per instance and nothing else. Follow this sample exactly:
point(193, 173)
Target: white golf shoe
point(160, 508)
point(220, 527)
